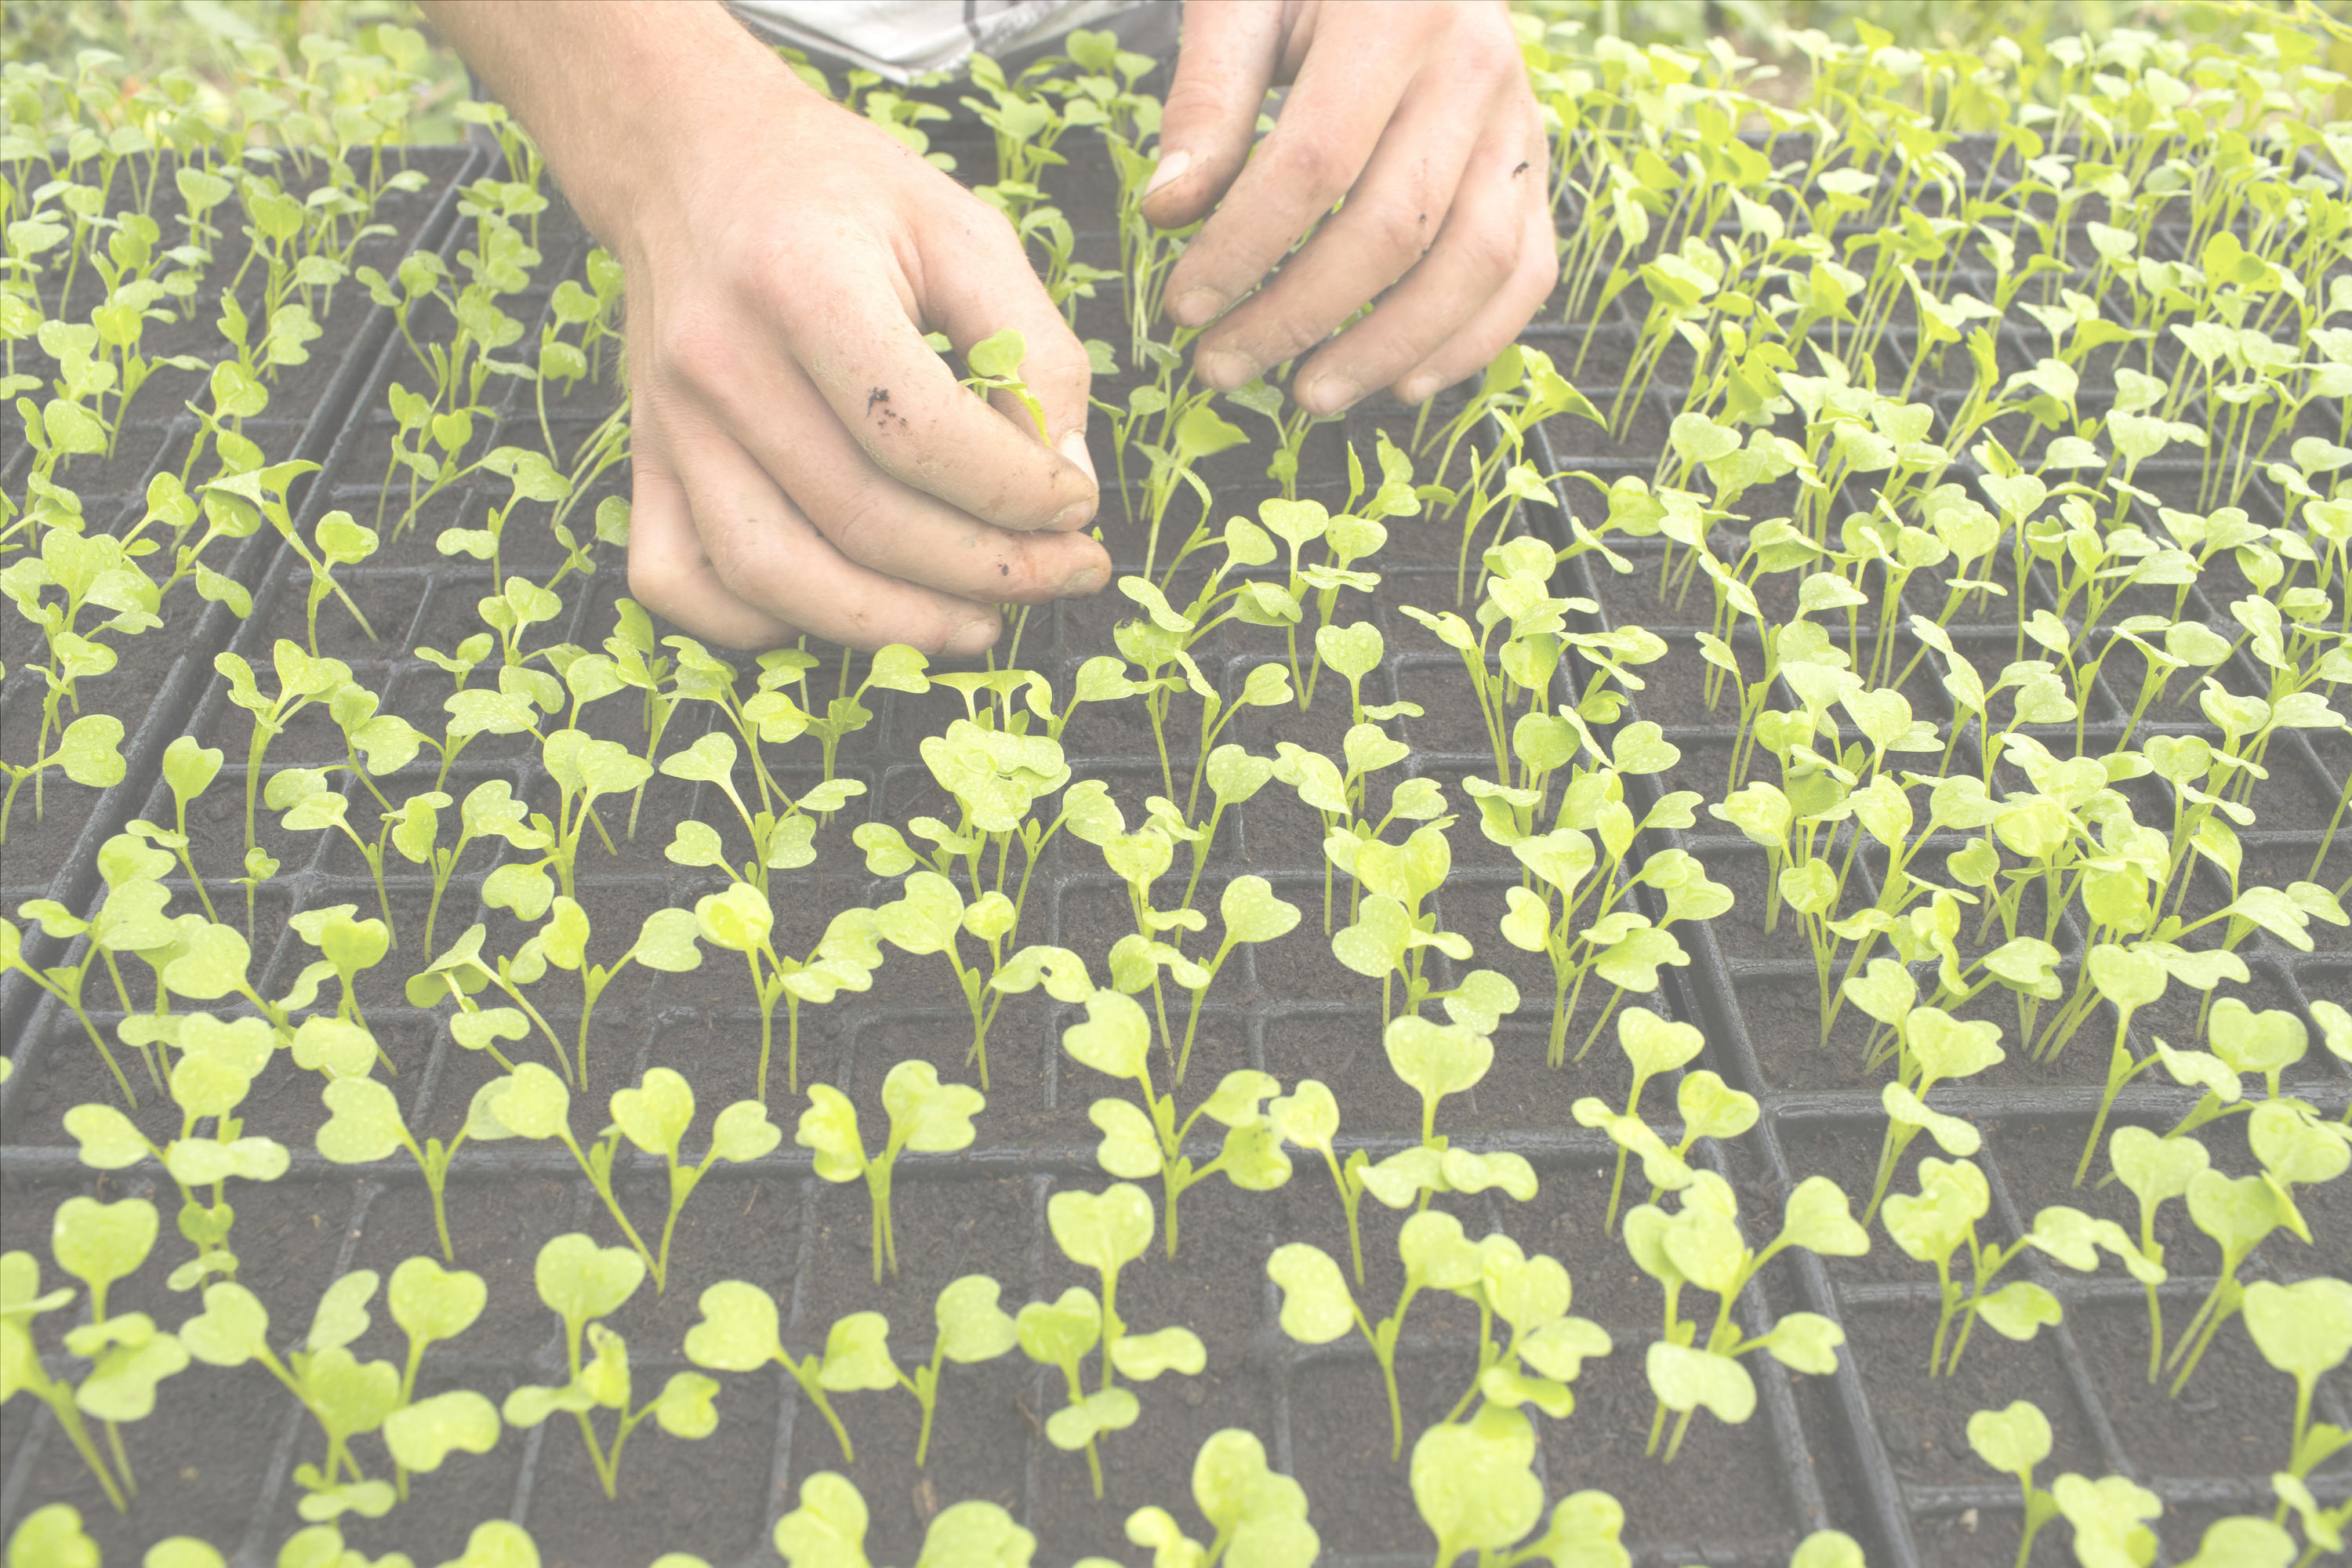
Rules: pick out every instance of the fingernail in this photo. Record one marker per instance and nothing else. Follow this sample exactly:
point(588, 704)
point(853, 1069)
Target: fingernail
point(1196, 307)
point(1421, 389)
point(1225, 369)
point(1073, 446)
point(972, 638)
point(1084, 581)
point(1329, 394)
point(1173, 168)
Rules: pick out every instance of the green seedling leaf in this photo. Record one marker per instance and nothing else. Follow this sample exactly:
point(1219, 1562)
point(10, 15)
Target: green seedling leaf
point(737, 1332)
point(1116, 1038)
point(1686, 1379)
point(1103, 1231)
point(1145, 1356)
point(1437, 1059)
point(828, 1529)
point(1654, 1045)
point(972, 1327)
point(2109, 1518)
point(431, 1303)
point(99, 1243)
point(232, 1329)
point(2304, 1329)
point(975, 1532)
point(927, 1115)
point(1058, 1333)
point(857, 1354)
point(579, 1280)
point(51, 1536)
point(1474, 1483)
point(363, 1122)
point(421, 1435)
point(1253, 913)
point(1073, 1427)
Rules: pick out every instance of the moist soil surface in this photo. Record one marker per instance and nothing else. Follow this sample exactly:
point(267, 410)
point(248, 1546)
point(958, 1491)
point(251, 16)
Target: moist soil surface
point(216, 1458)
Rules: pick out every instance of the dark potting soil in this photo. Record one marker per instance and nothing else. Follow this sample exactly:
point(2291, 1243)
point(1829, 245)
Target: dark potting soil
point(1288, 1008)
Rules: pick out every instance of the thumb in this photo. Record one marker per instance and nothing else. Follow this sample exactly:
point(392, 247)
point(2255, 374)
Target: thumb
point(1224, 67)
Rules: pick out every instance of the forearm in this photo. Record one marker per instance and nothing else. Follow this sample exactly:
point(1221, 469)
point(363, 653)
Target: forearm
point(618, 93)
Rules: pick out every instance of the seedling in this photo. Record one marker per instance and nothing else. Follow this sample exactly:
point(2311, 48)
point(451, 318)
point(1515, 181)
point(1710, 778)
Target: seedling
point(364, 1124)
point(972, 1328)
point(582, 1282)
point(2238, 1214)
point(348, 1398)
point(432, 1304)
point(1702, 1245)
point(1935, 1046)
point(1104, 1232)
point(1310, 1116)
point(1709, 1107)
point(1139, 1143)
point(828, 1530)
point(932, 917)
point(2014, 1441)
point(1931, 1226)
point(1257, 1514)
point(996, 363)
point(1475, 1487)
point(216, 1070)
point(531, 1102)
point(2304, 1331)
point(925, 1115)
point(737, 1332)
point(665, 944)
point(845, 959)
point(99, 1243)
point(778, 844)
point(1317, 1307)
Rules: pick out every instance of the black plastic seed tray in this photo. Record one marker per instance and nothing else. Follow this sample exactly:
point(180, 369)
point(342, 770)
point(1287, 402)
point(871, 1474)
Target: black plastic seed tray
point(162, 673)
point(1862, 1450)
point(1900, 1435)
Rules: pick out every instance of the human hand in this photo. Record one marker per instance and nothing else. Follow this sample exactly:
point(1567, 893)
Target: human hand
point(803, 461)
point(1418, 112)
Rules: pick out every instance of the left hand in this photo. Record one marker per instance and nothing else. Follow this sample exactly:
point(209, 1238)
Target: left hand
point(1419, 113)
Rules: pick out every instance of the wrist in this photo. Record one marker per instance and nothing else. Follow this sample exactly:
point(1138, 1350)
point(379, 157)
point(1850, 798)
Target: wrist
point(633, 104)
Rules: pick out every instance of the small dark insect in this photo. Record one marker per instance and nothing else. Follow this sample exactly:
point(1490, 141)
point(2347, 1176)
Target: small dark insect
point(1520, 170)
point(882, 394)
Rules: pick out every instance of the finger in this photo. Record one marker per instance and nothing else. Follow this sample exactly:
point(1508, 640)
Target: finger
point(1403, 206)
point(851, 332)
point(766, 553)
point(784, 422)
point(1477, 255)
point(1345, 93)
point(970, 296)
point(1224, 64)
point(1486, 334)
point(669, 575)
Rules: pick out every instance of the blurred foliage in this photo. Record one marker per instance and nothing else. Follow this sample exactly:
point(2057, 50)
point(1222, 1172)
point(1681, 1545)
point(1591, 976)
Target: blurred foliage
point(1913, 23)
point(1764, 29)
point(202, 37)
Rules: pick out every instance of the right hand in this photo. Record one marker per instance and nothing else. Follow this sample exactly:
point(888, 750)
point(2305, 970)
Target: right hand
point(805, 463)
